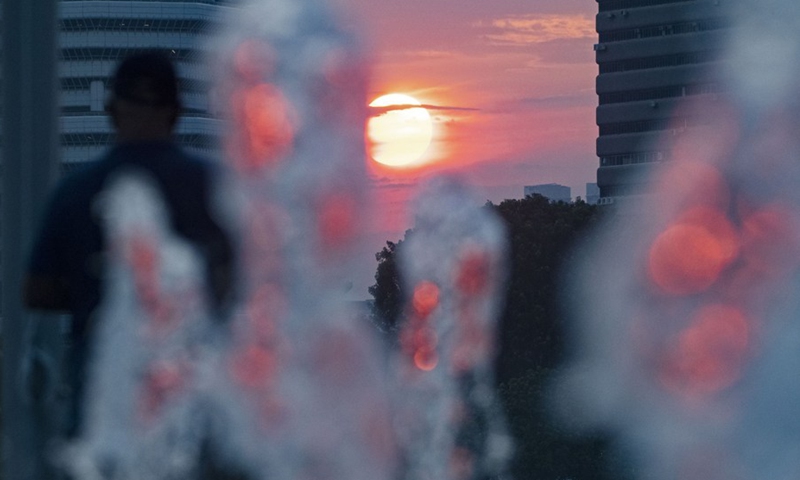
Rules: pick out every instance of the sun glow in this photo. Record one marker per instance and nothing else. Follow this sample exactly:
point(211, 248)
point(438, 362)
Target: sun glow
point(401, 132)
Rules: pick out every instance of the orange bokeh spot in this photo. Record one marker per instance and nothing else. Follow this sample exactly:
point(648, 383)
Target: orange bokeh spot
point(709, 355)
point(425, 298)
point(266, 125)
point(473, 273)
point(689, 256)
point(718, 224)
point(417, 336)
point(144, 260)
point(426, 358)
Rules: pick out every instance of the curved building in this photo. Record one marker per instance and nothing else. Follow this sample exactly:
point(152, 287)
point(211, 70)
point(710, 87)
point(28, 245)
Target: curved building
point(651, 54)
point(96, 35)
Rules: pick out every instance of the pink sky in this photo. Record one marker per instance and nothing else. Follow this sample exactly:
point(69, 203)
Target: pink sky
point(527, 67)
point(520, 74)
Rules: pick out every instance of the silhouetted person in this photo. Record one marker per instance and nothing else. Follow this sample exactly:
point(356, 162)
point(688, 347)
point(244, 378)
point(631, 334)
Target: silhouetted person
point(67, 264)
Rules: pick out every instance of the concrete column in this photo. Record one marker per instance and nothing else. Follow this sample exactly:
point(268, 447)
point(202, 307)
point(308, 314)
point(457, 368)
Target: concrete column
point(29, 165)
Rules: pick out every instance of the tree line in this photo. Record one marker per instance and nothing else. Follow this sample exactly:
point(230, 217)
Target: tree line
point(543, 236)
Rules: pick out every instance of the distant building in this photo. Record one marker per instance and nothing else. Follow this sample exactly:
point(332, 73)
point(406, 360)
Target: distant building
point(592, 193)
point(651, 54)
point(553, 191)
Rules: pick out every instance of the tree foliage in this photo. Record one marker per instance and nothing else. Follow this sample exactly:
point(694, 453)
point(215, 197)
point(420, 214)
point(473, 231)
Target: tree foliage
point(542, 237)
point(387, 292)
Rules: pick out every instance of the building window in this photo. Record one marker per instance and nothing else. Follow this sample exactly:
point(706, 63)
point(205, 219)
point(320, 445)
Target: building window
point(606, 5)
point(195, 140)
point(658, 93)
point(658, 62)
point(641, 126)
point(134, 24)
point(658, 31)
point(631, 158)
point(115, 54)
point(83, 83)
point(78, 83)
point(76, 110)
point(209, 2)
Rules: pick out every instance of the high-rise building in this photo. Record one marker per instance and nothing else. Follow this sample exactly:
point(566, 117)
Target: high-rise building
point(552, 191)
point(96, 35)
point(592, 193)
point(651, 54)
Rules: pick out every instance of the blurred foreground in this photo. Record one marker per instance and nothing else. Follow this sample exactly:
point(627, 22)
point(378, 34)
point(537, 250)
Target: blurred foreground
point(680, 351)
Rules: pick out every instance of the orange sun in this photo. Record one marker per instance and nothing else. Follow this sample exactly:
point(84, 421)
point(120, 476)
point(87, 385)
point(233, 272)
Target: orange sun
point(400, 134)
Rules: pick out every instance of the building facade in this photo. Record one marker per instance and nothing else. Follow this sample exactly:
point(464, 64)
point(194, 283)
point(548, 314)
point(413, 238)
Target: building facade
point(592, 194)
point(552, 191)
point(651, 55)
point(96, 35)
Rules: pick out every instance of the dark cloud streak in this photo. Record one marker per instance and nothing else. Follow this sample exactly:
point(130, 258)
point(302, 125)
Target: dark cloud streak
point(579, 99)
point(392, 108)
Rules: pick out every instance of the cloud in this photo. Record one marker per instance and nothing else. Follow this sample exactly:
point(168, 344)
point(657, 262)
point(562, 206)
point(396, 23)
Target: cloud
point(575, 52)
point(390, 108)
point(387, 182)
point(422, 54)
point(521, 30)
point(430, 54)
point(578, 99)
point(562, 101)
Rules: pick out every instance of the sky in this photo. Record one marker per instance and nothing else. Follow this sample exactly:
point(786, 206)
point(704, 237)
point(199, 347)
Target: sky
point(513, 83)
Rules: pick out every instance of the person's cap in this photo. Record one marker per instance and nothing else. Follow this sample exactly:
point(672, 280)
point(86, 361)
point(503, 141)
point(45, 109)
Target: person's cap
point(147, 78)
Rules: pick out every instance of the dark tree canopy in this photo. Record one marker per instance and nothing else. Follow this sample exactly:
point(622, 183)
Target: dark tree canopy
point(387, 291)
point(542, 237)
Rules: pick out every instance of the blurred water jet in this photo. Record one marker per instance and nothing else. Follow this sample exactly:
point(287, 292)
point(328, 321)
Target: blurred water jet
point(683, 348)
point(289, 385)
point(448, 419)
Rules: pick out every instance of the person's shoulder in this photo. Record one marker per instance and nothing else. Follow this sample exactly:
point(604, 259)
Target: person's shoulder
point(82, 175)
point(76, 188)
point(197, 159)
point(199, 163)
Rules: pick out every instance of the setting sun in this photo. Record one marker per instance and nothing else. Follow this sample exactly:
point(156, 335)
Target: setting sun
point(400, 133)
